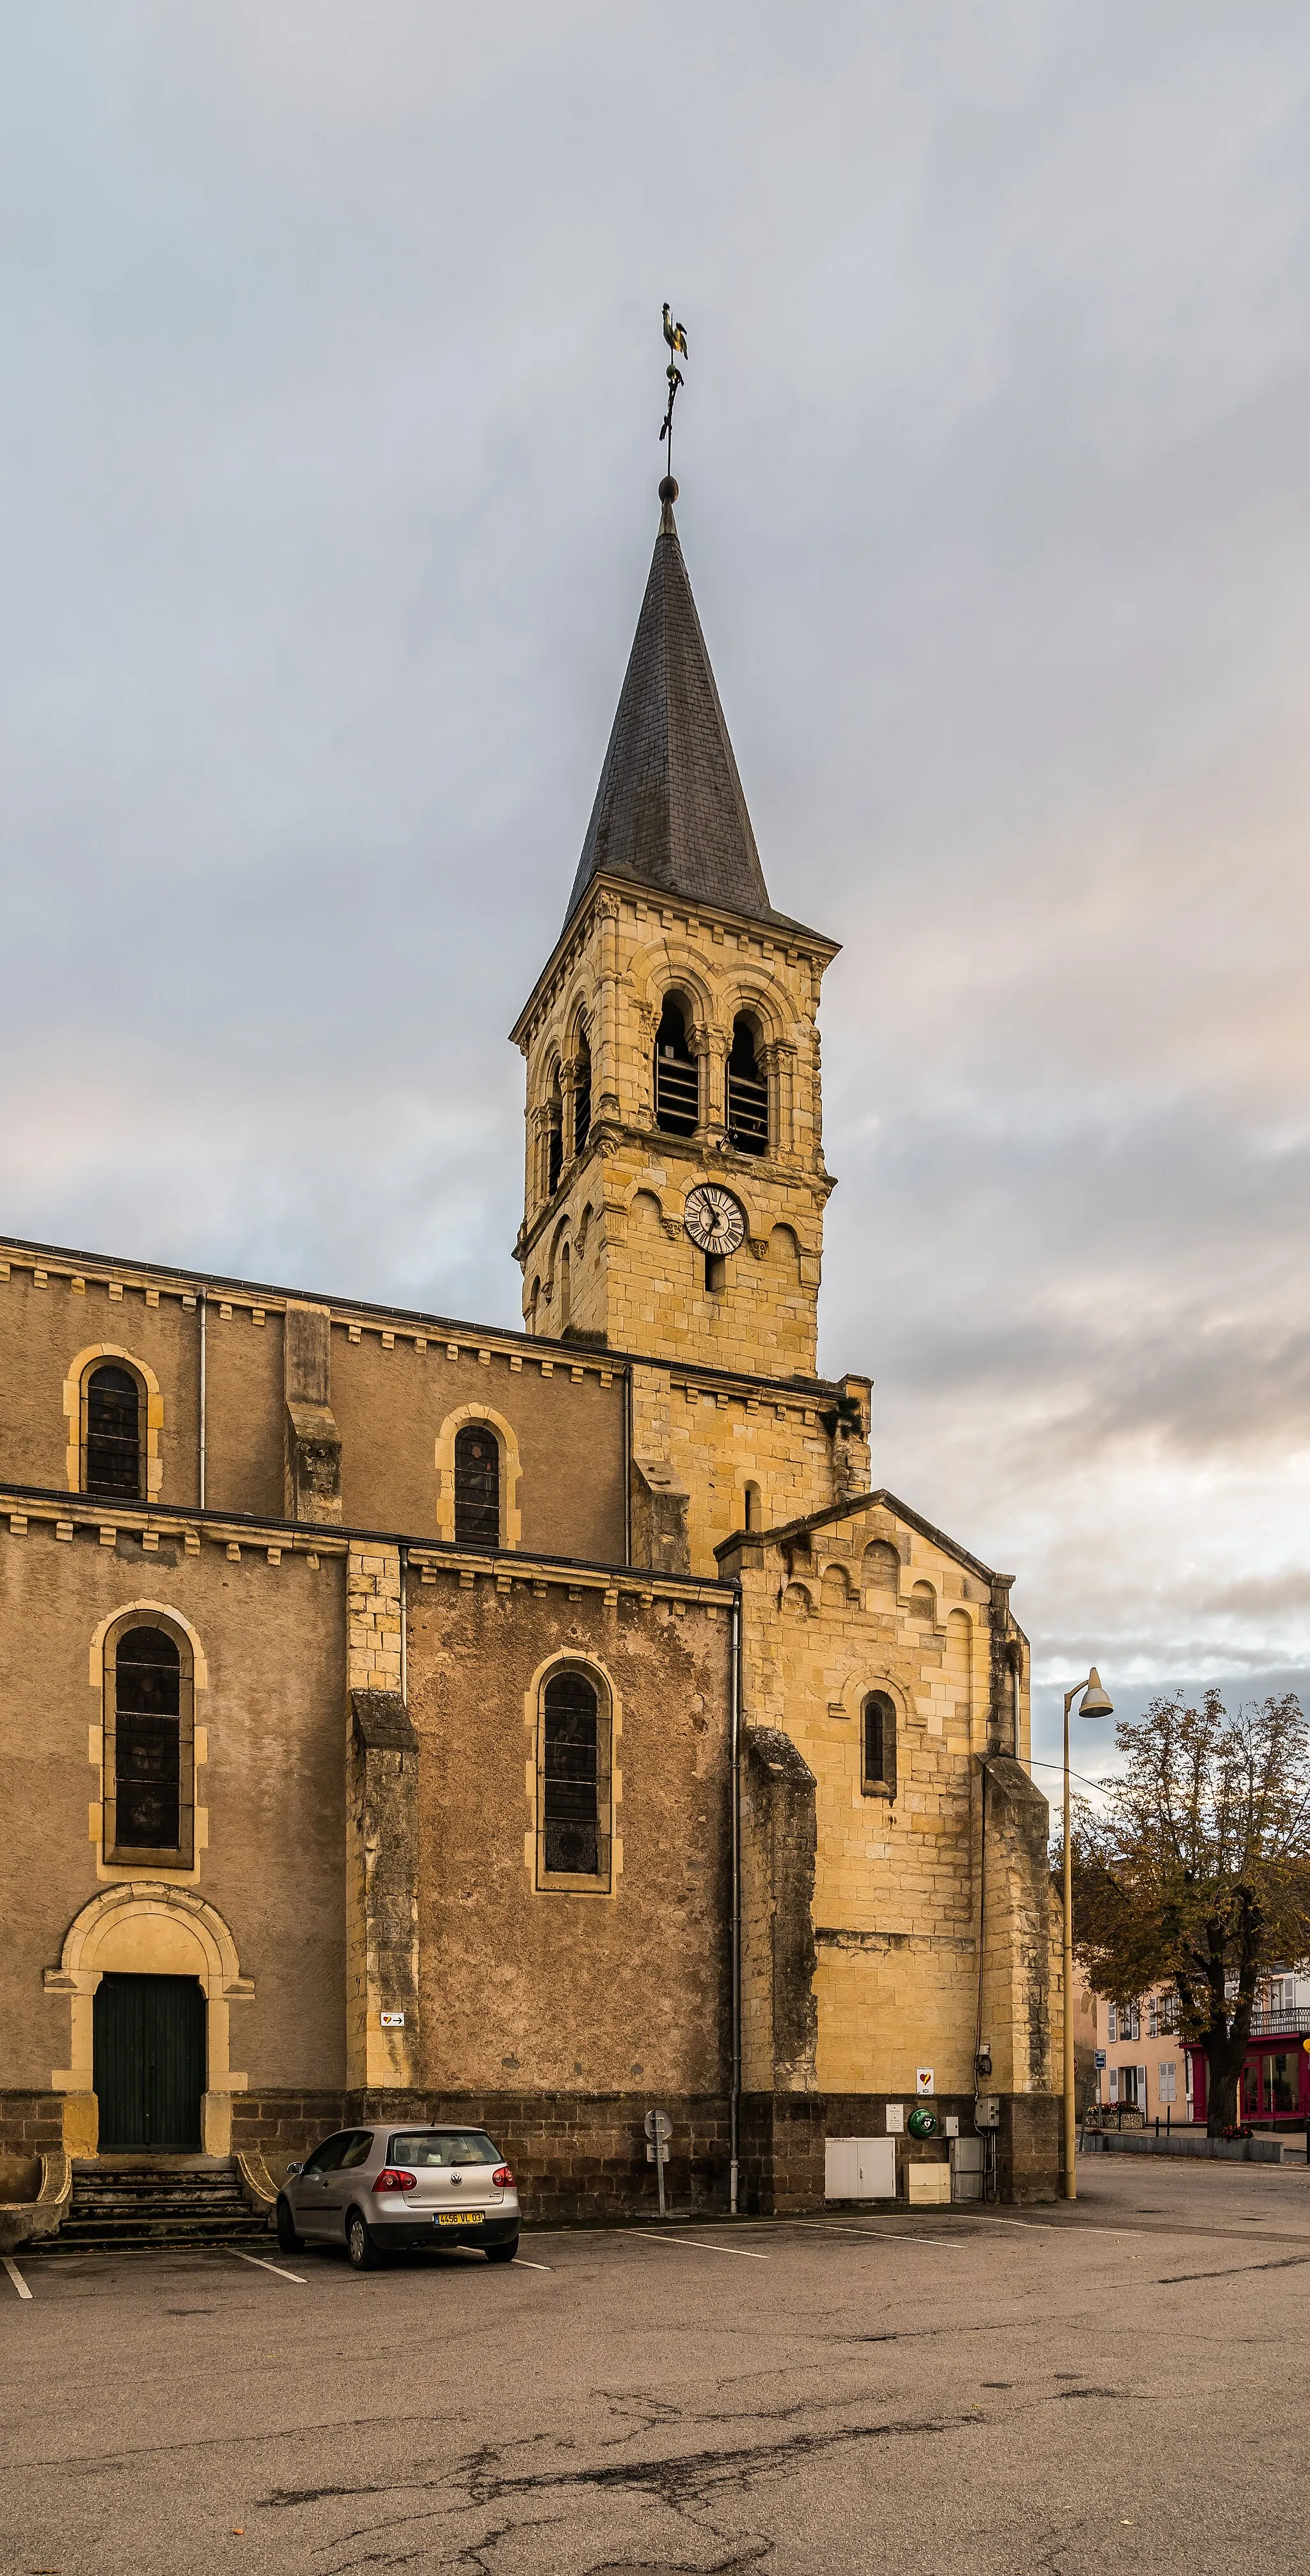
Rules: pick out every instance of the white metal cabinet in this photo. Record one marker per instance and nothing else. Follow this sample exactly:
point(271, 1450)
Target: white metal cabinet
point(860, 2169)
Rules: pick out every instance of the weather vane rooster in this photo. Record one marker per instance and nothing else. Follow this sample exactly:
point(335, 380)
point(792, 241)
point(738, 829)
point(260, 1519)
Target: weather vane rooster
point(677, 346)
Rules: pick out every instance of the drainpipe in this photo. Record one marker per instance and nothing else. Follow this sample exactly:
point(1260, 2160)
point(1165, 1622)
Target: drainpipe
point(627, 1466)
point(734, 2104)
point(203, 1313)
point(404, 1657)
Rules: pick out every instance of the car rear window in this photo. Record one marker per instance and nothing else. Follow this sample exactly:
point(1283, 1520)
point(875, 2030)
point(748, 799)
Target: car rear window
point(415, 2148)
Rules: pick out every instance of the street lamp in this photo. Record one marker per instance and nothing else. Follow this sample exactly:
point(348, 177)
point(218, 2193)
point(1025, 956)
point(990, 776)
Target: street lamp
point(1094, 1703)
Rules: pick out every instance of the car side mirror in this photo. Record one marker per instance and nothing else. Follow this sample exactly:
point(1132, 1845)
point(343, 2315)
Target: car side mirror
point(294, 2169)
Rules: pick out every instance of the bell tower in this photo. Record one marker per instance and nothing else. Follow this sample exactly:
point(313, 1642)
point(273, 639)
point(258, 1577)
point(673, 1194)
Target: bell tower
point(675, 1182)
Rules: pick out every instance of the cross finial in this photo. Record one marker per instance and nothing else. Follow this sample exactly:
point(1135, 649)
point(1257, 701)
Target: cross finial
point(676, 338)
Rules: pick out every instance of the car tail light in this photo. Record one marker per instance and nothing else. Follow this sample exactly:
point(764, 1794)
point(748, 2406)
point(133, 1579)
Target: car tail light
point(391, 2178)
point(503, 2178)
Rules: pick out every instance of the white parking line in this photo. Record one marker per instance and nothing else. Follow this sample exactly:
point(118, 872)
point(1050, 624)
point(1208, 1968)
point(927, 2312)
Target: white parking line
point(525, 2266)
point(264, 2266)
point(699, 2245)
point(885, 2235)
point(1056, 2226)
point(16, 2277)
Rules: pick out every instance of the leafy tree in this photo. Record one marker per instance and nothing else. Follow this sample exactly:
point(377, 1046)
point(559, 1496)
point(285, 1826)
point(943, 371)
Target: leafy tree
point(1195, 1874)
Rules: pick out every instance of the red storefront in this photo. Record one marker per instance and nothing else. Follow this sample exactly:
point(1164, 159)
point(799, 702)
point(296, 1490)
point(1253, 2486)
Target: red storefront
point(1274, 2091)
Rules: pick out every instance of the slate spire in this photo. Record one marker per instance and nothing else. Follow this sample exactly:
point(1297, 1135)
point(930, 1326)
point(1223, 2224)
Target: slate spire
point(669, 809)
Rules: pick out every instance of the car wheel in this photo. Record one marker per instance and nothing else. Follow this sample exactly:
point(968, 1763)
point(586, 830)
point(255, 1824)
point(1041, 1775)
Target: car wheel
point(288, 2240)
point(359, 2242)
point(503, 2253)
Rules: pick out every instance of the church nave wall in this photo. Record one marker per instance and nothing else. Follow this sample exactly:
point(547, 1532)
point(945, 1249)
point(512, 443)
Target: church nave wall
point(262, 1645)
point(616, 1988)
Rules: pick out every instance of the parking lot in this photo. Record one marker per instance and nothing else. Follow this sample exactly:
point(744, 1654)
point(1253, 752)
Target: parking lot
point(1120, 2383)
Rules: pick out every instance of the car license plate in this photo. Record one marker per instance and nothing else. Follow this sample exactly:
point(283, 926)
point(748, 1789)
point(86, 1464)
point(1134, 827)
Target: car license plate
point(460, 2218)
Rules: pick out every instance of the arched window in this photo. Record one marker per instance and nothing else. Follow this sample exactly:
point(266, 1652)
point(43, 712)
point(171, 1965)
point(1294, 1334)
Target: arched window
point(582, 1094)
point(149, 1796)
point(878, 1746)
point(748, 1091)
point(754, 1516)
point(477, 1485)
point(565, 1288)
point(113, 1431)
point(573, 1782)
point(677, 1074)
point(555, 1135)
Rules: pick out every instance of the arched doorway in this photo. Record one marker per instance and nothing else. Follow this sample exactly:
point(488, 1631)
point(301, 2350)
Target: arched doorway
point(148, 2051)
point(151, 1976)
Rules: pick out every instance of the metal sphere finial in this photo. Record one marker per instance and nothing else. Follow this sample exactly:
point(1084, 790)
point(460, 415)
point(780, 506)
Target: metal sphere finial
point(668, 489)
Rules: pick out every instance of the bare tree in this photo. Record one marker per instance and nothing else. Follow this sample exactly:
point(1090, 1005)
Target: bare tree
point(1195, 1874)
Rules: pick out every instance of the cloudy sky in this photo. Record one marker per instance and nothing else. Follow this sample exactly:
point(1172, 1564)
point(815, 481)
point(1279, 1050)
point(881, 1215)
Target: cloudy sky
point(331, 389)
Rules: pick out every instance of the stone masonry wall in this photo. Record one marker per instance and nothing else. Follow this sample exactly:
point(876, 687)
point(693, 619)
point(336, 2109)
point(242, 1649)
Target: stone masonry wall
point(634, 1278)
point(868, 1602)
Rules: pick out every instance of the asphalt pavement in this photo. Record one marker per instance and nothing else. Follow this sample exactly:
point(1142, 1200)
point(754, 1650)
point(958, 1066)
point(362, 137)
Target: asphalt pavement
point(1058, 2390)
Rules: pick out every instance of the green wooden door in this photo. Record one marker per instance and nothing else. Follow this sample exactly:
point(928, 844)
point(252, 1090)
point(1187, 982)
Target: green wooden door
point(149, 2061)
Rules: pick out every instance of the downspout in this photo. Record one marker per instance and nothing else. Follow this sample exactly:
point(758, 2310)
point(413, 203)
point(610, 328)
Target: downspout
point(627, 1466)
point(404, 1655)
point(734, 2099)
point(204, 1309)
point(989, 2173)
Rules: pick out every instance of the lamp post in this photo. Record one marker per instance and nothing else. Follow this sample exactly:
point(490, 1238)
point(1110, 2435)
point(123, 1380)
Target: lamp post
point(1094, 1703)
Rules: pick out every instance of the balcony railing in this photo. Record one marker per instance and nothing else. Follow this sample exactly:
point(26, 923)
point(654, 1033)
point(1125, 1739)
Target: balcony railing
point(1291, 2019)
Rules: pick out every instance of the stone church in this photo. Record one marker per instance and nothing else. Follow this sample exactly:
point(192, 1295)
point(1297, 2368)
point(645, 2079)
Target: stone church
point(531, 1728)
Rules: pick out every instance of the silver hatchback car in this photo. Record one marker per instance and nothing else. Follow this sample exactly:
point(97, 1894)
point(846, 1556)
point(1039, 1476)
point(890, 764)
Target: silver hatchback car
point(387, 2190)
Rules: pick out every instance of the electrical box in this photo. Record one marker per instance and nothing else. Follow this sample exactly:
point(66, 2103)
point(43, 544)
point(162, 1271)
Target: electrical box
point(987, 2111)
point(859, 2169)
point(927, 2185)
point(967, 2168)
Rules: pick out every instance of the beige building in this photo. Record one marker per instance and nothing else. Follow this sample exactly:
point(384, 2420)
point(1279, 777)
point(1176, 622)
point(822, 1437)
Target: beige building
point(524, 1726)
point(1142, 2063)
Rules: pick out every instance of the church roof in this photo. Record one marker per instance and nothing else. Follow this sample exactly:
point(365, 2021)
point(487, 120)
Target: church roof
point(669, 809)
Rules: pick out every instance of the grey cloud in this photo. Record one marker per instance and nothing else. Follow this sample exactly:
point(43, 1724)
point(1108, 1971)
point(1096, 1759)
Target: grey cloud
point(327, 456)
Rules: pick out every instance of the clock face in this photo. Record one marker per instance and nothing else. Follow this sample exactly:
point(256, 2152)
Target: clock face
point(713, 1218)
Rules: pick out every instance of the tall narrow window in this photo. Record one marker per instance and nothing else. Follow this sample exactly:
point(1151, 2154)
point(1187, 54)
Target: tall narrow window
point(582, 1095)
point(574, 1781)
point(878, 1762)
point(748, 1092)
point(477, 1485)
point(555, 1136)
point(147, 1748)
point(113, 1432)
point(677, 1075)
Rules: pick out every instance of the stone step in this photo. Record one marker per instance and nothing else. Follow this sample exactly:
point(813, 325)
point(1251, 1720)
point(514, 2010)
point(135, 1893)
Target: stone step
point(125, 2214)
point(161, 2203)
point(115, 2187)
point(146, 2175)
point(144, 2230)
point(93, 2222)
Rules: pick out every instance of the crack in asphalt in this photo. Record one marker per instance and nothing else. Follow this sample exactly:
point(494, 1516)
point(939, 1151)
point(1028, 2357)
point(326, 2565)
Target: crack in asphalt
point(1234, 2271)
point(666, 2566)
point(681, 2478)
point(1123, 2394)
